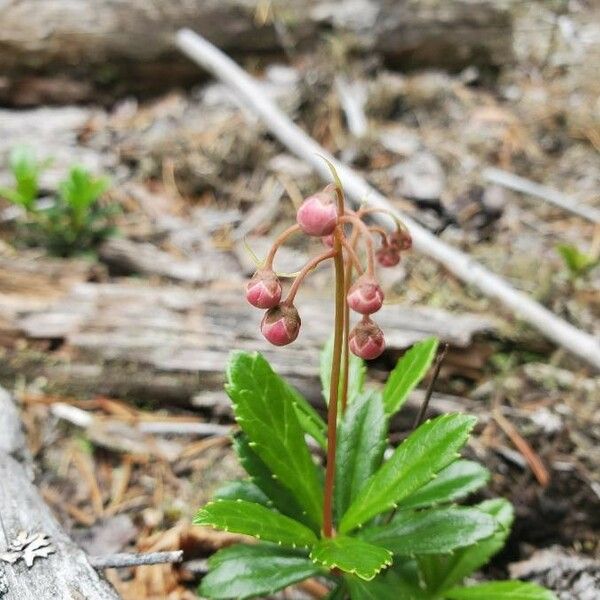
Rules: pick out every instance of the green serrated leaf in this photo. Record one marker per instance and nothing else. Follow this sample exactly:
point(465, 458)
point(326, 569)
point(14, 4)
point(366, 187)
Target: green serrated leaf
point(266, 413)
point(454, 482)
point(310, 420)
point(371, 590)
point(259, 570)
point(351, 555)
point(408, 373)
point(356, 373)
point(239, 516)
point(281, 497)
point(26, 171)
point(432, 531)
point(361, 442)
point(501, 590)
point(397, 582)
point(443, 571)
point(242, 490)
point(429, 449)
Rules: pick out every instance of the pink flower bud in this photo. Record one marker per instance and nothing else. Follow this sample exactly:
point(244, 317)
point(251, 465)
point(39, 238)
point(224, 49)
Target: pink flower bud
point(366, 340)
point(365, 296)
point(317, 215)
point(401, 240)
point(388, 256)
point(281, 325)
point(264, 289)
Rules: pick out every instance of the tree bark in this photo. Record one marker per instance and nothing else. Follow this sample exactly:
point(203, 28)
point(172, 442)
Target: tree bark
point(74, 49)
point(64, 574)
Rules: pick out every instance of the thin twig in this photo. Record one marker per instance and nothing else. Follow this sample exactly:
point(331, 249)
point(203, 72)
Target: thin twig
point(522, 445)
point(352, 98)
point(124, 559)
point(436, 371)
point(525, 186)
point(84, 419)
point(357, 189)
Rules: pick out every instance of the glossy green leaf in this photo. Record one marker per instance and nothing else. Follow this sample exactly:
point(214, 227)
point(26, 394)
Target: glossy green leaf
point(361, 442)
point(433, 446)
point(242, 490)
point(432, 531)
point(389, 585)
point(281, 497)
point(266, 413)
point(351, 555)
point(372, 590)
point(309, 418)
point(443, 571)
point(501, 590)
point(244, 571)
point(239, 516)
point(408, 373)
point(456, 481)
point(356, 373)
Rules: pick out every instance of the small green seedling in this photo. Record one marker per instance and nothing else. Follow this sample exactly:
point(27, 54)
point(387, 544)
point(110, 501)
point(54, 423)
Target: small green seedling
point(578, 263)
point(75, 221)
point(26, 171)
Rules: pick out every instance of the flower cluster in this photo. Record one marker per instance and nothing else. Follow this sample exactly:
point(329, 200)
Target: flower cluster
point(341, 230)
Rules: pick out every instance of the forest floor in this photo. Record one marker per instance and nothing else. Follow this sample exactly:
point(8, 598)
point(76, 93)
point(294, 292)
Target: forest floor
point(140, 332)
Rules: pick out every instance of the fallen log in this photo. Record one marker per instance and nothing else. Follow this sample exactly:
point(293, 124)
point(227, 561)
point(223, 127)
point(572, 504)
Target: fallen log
point(67, 50)
point(357, 189)
point(59, 567)
point(170, 342)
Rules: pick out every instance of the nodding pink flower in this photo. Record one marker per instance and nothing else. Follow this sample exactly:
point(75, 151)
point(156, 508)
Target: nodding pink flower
point(317, 215)
point(400, 239)
point(366, 340)
point(281, 324)
point(264, 289)
point(327, 240)
point(388, 256)
point(365, 296)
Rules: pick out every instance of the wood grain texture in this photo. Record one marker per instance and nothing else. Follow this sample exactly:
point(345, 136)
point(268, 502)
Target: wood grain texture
point(171, 342)
point(92, 44)
point(66, 574)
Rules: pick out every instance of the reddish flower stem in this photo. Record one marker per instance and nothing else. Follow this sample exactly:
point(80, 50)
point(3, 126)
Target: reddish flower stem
point(306, 269)
point(336, 362)
point(400, 226)
point(352, 256)
point(346, 353)
point(364, 231)
point(382, 233)
point(345, 349)
point(279, 241)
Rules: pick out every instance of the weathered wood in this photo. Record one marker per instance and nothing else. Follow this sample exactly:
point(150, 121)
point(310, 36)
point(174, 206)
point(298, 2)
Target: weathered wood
point(169, 342)
point(12, 439)
point(126, 257)
point(129, 42)
point(126, 559)
point(568, 575)
point(64, 574)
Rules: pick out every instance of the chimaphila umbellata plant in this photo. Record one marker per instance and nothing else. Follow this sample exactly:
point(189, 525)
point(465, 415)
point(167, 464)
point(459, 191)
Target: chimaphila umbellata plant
point(375, 522)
